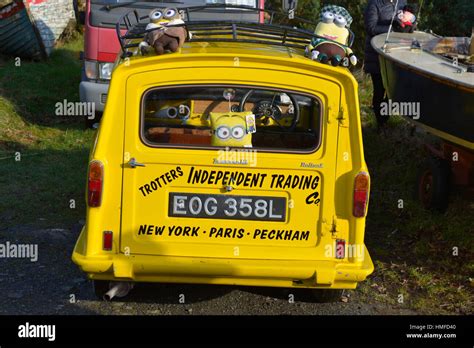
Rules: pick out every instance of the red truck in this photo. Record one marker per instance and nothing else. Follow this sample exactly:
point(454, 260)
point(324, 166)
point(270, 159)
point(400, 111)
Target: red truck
point(101, 44)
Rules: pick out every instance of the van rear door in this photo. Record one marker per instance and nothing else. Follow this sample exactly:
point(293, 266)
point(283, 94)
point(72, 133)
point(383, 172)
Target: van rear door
point(185, 196)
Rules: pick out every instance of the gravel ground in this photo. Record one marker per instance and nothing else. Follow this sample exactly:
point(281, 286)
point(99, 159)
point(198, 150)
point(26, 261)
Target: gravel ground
point(49, 285)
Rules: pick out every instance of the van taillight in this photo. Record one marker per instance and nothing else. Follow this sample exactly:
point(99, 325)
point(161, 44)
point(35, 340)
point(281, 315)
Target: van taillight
point(108, 240)
point(95, 183)
point(340, 248)
point(361, 194)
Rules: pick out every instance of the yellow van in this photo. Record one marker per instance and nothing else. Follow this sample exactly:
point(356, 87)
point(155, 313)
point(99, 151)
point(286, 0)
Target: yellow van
point(237, 160)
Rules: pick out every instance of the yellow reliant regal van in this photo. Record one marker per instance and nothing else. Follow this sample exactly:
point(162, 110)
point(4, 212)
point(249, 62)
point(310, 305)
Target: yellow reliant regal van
point(237, 160)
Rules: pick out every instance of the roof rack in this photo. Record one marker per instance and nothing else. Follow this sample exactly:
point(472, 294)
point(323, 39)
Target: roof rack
point(212, 31)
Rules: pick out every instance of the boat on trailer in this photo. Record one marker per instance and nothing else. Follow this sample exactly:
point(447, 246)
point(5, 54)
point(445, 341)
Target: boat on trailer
point(436, 74)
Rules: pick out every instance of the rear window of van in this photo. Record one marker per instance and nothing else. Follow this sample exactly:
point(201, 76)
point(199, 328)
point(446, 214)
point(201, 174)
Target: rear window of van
point(231, 116)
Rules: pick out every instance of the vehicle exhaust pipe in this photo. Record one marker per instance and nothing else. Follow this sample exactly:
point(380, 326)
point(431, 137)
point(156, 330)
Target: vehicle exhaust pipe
point(118, 289)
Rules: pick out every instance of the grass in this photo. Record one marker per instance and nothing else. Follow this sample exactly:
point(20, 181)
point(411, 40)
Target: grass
point(42, 156)
point(412, 248)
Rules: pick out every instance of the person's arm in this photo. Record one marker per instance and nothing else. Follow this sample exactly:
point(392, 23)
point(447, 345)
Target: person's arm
point(373, 26)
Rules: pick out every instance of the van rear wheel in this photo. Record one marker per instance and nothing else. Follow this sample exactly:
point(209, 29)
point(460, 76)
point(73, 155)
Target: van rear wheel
point(327, 295)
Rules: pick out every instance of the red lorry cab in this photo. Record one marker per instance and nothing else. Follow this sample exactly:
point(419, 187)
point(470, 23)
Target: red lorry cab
point(101, 44)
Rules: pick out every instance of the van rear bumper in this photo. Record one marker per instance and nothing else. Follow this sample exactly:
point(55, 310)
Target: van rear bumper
point(230, 271)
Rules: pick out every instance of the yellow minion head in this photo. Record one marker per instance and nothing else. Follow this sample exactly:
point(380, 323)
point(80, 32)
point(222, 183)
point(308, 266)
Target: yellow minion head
point(230, 129)
point(334, 24)
point(162, 16)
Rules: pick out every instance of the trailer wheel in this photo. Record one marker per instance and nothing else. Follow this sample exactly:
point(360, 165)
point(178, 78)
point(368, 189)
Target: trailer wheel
point(433, 185)
point(100, 288)
point(327, 295)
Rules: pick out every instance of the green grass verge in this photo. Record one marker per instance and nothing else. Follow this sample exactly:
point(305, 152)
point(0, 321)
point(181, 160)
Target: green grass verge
point(43, 157)
point(425, 257)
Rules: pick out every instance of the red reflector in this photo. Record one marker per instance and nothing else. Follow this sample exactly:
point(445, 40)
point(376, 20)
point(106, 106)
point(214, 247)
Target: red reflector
point(340, 248)
point(361, 194)
point(95, 183)
point(106, 57)
point(108, 240)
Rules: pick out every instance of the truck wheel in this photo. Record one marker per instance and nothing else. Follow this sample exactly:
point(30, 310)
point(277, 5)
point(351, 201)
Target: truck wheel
point(100, 288)
point(433, 185)
point(94, 122)
point(327, 295)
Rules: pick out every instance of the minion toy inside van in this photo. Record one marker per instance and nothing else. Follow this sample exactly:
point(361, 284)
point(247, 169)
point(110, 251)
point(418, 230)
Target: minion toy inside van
point(235, 160)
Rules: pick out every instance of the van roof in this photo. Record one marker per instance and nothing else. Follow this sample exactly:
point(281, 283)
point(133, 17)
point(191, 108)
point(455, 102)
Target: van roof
point(231, 35)
point(224, 40)
point(131, 29)
point(235, 48)
point(221, 53)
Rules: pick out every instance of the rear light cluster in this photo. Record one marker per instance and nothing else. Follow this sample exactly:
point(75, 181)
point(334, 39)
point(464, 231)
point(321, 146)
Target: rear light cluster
point(95, 184)
point(361, 194)
point(107, 240)
point(340, 249)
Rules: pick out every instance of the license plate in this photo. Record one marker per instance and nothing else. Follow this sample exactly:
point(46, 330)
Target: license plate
point(194, 205)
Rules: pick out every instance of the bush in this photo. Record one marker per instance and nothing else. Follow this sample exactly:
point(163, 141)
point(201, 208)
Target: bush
point(448, 17)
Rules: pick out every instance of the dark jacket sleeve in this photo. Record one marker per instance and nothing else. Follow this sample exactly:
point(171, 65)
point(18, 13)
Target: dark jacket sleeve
point(373, 25)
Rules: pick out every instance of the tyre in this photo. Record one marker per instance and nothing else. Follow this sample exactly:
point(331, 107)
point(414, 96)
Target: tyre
point(327, 295)
point(94, 122)
point(100, 288)
point(433, 185)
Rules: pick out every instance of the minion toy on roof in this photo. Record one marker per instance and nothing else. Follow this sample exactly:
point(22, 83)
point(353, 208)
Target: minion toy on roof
point(162, 32)
point(331, 46)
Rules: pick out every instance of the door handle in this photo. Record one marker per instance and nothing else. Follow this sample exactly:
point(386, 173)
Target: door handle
point(133, 163)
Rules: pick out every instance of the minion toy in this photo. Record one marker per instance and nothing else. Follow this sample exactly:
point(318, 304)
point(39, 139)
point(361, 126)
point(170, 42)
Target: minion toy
point(231, 129)
point(163, 37)
point(331, 45)
point(156, 23)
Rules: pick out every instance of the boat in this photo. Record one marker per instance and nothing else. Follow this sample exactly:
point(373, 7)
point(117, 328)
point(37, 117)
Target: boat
point(30, 28)
point(16, 23)
point(438, 74)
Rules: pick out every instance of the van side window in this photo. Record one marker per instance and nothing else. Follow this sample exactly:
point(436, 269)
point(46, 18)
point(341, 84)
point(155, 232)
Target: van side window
point(231, 116)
